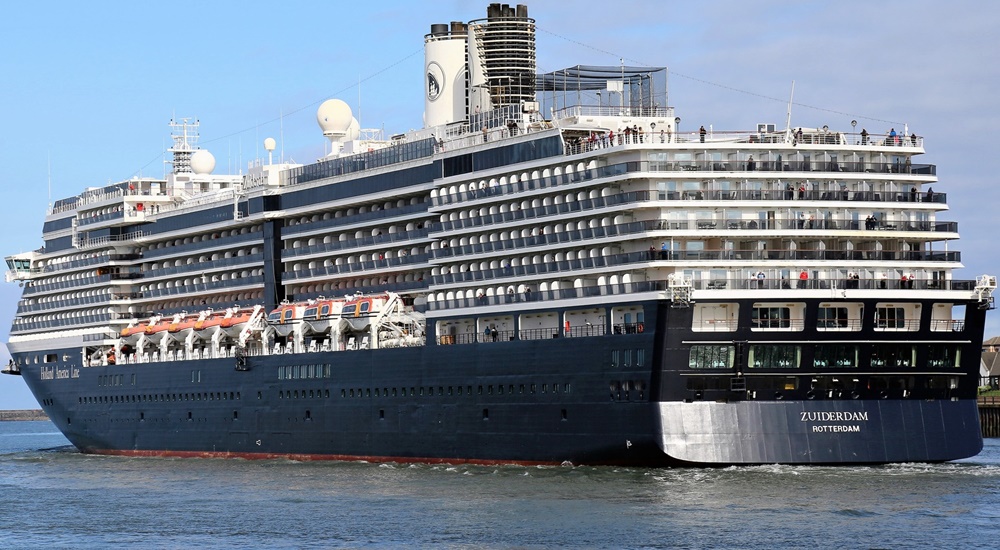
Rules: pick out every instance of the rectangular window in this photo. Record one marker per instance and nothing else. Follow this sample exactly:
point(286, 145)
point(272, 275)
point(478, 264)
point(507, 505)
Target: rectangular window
point(835, 356)
point(890, 317)
point(640, 358)
point(832, 317)
point(614, 357)
point(711, 356)
point(943, 357)
point(771, 317)
point(774, 356)
point(893, 356)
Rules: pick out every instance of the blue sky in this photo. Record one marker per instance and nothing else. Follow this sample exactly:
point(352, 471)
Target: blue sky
point(88, 88)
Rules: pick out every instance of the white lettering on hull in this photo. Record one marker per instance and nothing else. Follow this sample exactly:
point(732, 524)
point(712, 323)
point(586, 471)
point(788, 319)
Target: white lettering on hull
point(836, 429)
point(833, 416)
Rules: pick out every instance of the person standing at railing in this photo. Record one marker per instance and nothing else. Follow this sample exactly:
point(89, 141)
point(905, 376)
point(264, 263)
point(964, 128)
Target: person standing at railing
point(864, 137)
point(804, 279)
point(701, 134)
point(913, 194)
point(750, 164)
point(892, 137)
point(930, 194)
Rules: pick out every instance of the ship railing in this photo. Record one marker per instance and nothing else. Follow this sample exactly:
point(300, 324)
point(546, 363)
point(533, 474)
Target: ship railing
point(356, 267)
point(250, 260)
point(81, 283)
point(947, 325)
point(591, 262)
point(571, 236)
point(545, 211)
point(447, 300)
point(95, 218)
point(614, 111)
point(441, 300)
point(86, 244)
point(639, 133)
point(775, 280)
point(876, 191)
point(86, 198)
point(722, 223)
point(188, 202)
point(375, 240)
point(399, 151)
point(379, 214)
point(401, 288)
point(201, 287)
point(214, 243)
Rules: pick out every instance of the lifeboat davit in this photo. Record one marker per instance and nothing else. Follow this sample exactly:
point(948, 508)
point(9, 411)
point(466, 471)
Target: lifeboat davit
point(235, 320)
point(181, 328)
point(206, 326)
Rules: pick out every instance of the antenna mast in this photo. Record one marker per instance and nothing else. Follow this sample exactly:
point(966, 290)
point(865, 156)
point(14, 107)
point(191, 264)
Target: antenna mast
point(788, 115)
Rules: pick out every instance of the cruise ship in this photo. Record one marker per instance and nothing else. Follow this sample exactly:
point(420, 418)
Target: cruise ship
point(549, 271)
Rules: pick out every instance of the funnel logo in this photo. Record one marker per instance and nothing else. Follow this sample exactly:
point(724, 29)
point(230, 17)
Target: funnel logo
point(435, 81)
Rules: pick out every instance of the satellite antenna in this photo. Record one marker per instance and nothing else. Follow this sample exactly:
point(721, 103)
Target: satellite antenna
point(269, 145)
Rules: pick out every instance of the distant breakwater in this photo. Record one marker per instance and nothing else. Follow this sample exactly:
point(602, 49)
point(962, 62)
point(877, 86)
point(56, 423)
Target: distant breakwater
point(31, 414)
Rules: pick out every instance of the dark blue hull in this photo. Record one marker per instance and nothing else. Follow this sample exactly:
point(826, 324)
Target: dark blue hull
point(622, 397)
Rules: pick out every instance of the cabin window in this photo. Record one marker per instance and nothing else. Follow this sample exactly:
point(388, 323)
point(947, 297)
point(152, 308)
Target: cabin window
point(835, 356)
point(832, 317)
point(893, 356)
point(711, 356)
point(888, 317)
point(944, 357)
point(774, 356)
point(771, 317)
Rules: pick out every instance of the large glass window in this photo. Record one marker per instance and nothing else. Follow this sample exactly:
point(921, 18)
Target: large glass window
point(775, 356)
point(943, 357)
point(835, 356)
point(711, 356)
point(892, 356)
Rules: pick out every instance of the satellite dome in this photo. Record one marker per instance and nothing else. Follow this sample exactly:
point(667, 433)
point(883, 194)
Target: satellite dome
point(334, 117)
point(202, 162)
point(354, 130)
point(270, 144)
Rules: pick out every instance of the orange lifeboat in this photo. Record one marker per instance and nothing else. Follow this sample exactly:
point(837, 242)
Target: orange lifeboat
point(319, 315)
point(234, 321)
point(283, 318)
point(182, 327)
point(132, 333)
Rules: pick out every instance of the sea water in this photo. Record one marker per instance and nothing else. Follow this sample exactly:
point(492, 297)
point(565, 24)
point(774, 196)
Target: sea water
point(54, 497)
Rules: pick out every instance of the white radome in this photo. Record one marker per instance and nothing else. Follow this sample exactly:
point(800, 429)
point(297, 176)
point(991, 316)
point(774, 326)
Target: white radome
point(354, 130)
point(270, 144)
point(202, 162)
point(334, 117)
